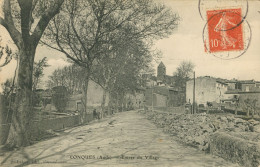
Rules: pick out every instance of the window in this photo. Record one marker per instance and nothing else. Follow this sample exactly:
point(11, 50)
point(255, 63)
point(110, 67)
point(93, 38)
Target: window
point(247, 88)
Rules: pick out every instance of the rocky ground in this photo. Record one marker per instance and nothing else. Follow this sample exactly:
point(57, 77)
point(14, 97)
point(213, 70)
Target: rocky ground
point(195, 130)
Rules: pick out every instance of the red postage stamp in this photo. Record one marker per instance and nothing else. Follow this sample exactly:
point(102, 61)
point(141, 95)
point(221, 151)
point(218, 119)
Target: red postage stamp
point(225, 31)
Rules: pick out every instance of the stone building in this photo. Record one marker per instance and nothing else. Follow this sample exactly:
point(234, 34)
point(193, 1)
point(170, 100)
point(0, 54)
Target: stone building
point(95, 96)
point(244, 89)
point(207, 89)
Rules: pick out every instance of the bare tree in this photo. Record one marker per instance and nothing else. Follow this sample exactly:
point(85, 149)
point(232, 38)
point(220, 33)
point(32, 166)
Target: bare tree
point(69, 77)
point(183, 74)
point(83, 31)
point(19, 16)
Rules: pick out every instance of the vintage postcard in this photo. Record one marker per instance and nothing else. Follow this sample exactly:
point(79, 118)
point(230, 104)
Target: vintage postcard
point(167, 83)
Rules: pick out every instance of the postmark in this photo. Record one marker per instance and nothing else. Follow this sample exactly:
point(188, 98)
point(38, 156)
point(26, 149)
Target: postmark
point(226, 34)
point(204, 5)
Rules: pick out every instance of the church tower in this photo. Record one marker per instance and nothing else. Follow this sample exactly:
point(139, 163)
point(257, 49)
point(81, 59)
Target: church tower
point(161, 72)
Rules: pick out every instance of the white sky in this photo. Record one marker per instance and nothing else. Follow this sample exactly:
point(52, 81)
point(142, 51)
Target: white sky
point(184, 44)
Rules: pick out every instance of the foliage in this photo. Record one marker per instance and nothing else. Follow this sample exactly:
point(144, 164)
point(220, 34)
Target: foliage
point(249, 106)
point(72, 77)
point(183, 74)
point(7, 86)
point(38, 71)
point(60, 98)
point(8, 55)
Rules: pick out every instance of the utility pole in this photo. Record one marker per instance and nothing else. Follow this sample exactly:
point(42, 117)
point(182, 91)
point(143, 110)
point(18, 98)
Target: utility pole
point(193, 104)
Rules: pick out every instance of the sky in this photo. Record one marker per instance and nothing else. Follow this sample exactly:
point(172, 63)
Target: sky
point(185, 44)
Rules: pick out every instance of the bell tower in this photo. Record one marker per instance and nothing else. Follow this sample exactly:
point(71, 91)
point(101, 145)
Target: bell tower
point(161, 72)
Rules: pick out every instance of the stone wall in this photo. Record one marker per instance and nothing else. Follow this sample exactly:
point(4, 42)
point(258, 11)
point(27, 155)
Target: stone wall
point(59, 123)
point(244, 152)
point(55, 124)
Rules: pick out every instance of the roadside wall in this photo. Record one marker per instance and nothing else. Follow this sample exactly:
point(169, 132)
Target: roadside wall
point(56, 123)
point(244, 152)
point(39, 127)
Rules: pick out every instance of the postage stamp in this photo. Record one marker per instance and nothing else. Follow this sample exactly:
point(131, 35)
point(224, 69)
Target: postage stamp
point(225, 30)
point(226, 34)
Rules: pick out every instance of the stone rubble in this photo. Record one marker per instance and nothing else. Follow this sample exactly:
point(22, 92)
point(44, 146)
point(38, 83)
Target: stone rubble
point(195, 130)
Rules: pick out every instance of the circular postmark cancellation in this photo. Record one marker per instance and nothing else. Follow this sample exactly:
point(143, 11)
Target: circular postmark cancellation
point(204, 5)
point(226, 34)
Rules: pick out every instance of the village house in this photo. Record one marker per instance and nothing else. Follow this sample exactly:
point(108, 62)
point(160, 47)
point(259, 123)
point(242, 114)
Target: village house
point(163, 96)
point(95, 96)
point(222, 91)
point(245, 89)
point(207, 89)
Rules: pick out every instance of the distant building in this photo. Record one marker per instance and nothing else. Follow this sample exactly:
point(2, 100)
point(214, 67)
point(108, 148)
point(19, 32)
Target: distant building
point(163, 96)
point(94, 98)
point(161, 72)
point(217, 90)
point(160, 91)
point(232, 84)
point(248, 89)
point(163, 79)
point(207, 89)
point(247, 85)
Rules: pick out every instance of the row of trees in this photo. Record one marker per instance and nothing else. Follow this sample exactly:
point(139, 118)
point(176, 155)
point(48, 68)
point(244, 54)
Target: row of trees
point(93, 34)
point(117, 73)
point(104, 37)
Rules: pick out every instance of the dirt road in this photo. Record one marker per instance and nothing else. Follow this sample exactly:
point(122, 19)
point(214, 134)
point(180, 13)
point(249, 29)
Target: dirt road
point(124, 139)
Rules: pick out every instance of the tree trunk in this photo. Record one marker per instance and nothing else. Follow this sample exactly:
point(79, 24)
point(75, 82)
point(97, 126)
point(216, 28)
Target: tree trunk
point(5, 113)
point(20, 130)
point(110, 105)
point(103, 103)
point(85, 99)
point(117, 102)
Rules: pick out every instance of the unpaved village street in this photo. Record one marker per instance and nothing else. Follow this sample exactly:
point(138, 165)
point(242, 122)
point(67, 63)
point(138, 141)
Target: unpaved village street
point(124, 139)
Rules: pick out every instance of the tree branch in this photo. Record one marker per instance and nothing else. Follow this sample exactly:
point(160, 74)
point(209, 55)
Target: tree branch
point(26, 7)
point(44, 21)
point(8, 23)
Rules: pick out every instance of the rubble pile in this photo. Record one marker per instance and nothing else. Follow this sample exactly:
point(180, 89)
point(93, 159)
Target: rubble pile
point(196, 129)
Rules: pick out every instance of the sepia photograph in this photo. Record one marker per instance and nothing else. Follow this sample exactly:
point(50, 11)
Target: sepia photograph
point(129, 83)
